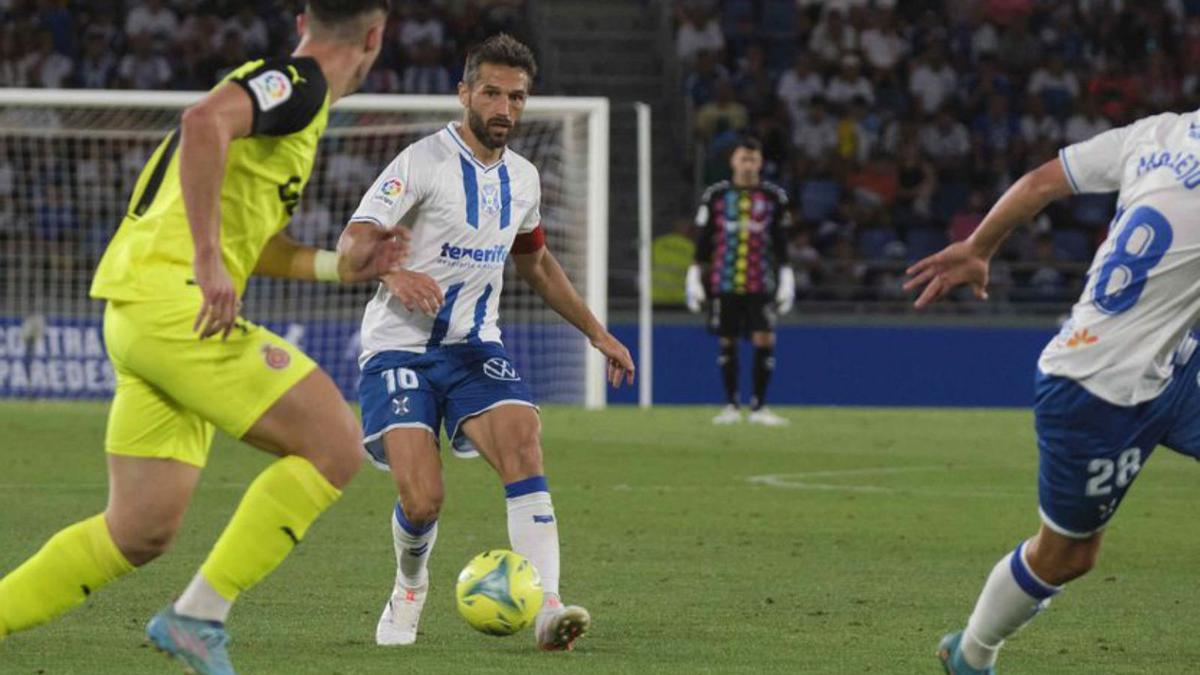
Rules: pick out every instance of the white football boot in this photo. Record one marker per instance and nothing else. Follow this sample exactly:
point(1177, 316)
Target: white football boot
point(765, 417)
point(398, 623)
point(556, 627)
point(730, 414)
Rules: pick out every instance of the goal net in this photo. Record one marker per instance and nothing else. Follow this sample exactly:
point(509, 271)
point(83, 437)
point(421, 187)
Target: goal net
point(68, 163)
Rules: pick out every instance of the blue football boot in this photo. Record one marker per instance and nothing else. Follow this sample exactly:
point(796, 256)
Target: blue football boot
point(199, 645)
point(950, 653)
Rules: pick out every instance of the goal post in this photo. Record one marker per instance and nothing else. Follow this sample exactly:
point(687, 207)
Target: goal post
point(68, 160)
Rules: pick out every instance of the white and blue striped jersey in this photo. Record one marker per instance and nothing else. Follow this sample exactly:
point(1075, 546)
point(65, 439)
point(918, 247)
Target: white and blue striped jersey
point(464, 217)
point(1132, 325)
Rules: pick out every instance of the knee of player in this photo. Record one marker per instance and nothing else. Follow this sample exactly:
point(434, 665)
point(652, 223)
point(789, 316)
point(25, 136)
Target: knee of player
point(147, 544)
point(423, 510)
point(340, 467)
point(1080, 560)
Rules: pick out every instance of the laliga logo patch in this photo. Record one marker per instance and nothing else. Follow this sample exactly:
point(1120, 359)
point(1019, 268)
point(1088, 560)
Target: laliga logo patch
point(271, 89)
point(501, 369)
point(390, 191)
point(491, 198)
point(276, 358)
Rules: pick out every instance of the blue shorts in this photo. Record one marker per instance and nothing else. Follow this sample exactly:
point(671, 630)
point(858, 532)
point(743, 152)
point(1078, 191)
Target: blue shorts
point(1090, 451)
point(447, 385)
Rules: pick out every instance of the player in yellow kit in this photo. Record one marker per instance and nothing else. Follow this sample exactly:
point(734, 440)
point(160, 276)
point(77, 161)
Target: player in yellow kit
point(206, 213)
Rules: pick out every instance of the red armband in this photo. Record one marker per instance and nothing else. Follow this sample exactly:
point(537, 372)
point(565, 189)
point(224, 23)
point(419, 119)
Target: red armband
point(530, 242)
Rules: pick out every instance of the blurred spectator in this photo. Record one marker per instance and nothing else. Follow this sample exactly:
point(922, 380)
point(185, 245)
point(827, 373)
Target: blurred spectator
point(1047, 281)
point(44, 67)
point(97, 66)
point(844, 273)
point(806, 262)
point(849, 84)
point(933, 81)
point(752, 83)
point(986, 82)
point(882, 44)
point(1037, 124)
point(1085, 123)
point(251, 29)
point(724, 108)
point(425, 74)
point(855, 140)
point(833, 37)
point(699, 32)
point(151, 18)
point(799, 85)
point(55, 18)
point(815, 134)
point(998, 128)
point(10, 58)
point(701, 84)
point(141, 68)
point(966, 220)
point(422, 30)
point(916, 183)
point(875, 184)
point(1160, 85)
point(945, 141)
point(1019, 49)
point(1115, 91)
point(1055, 85)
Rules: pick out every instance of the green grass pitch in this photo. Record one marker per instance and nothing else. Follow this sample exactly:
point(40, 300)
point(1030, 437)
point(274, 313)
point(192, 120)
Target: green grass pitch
point(847, 543)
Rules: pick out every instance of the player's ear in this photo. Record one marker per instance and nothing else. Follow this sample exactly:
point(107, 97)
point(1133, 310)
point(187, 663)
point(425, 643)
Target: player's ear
point(374, 40)
point(301, 24)
point(464, 94)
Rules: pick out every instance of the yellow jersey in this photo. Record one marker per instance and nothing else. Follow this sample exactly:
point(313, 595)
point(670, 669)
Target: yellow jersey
point(150, 257)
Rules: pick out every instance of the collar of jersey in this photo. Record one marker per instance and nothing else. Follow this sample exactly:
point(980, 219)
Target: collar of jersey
point(470, 155)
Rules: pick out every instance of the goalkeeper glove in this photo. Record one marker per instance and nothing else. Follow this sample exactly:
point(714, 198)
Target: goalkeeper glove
point(785, 295)
point(694, 288)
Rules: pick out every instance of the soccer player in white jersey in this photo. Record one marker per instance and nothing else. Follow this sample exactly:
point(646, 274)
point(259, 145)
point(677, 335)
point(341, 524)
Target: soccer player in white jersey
point(1118, 380)
point(432, 354)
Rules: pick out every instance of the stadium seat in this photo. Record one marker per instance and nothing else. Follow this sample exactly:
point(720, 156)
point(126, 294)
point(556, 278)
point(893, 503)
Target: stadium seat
point(818, 199)
point(873, 242)
point(924, 241)
point(779, 19)
point(734, 10)
point(1072, 244)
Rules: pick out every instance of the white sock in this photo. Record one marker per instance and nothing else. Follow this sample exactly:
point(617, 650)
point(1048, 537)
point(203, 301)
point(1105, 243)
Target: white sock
point(201, 601)
point(533, 530)
point(1012, 596)
point(413, 546)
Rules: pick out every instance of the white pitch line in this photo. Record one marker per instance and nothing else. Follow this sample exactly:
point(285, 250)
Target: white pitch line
point(798, 481)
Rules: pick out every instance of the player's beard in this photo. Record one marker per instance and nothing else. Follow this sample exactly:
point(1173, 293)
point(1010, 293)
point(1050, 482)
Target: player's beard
point(492, 137)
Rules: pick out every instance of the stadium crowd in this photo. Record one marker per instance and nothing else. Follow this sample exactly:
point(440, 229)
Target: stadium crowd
point(894, 125)
point(190, 44)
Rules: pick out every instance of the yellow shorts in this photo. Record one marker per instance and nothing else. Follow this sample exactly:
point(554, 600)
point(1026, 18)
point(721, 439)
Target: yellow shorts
point(173, 388)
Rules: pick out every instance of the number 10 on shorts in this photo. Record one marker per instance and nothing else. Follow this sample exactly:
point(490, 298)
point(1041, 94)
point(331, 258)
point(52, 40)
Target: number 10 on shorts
point(1103, 471)
point(402, 379)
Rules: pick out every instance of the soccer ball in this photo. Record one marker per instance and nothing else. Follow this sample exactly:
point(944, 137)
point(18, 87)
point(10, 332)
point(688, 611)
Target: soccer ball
point(499, 592)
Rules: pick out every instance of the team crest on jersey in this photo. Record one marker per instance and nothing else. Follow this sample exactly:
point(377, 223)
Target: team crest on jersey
point(491, 198)
point(499, 368)
point(271, 89)
point(276, 357)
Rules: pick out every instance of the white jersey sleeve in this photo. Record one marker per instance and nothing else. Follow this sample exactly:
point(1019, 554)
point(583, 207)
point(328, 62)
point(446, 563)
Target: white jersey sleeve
point(533, 217)
point(394, 194)
point(1096, 165)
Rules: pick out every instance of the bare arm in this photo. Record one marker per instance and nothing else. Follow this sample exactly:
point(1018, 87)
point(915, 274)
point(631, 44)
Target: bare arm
point(546, 277)
point(966, 262)
point(206, 130)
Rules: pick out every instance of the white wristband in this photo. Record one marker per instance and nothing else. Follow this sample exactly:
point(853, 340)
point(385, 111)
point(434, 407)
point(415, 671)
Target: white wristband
point(325, 266)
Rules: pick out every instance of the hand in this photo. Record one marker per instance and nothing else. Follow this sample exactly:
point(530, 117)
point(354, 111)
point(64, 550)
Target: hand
point(219, 311)
point(620, 363)
point(957, 264)
point(693, 289)
point(785, 296)
point(378, 254)
point(417, 291)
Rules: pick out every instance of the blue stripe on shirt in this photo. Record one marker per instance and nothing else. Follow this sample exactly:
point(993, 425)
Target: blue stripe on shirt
point(470, 191)
point(505, 198)
point(441, 323)
point(480, 313)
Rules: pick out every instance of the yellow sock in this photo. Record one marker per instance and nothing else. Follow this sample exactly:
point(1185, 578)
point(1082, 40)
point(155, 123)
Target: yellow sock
point(74, 563)
point(272, 518)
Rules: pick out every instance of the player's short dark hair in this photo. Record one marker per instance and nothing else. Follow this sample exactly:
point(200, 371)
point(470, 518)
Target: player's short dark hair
point(335, 12)
point(749, 142)
point(500, 49)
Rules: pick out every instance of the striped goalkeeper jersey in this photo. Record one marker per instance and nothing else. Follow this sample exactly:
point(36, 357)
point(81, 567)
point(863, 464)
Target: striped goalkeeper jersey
point(742, 237)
